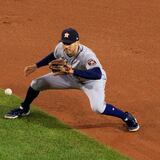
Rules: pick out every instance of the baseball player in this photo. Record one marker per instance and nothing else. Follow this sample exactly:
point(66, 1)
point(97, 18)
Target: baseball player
point(73, 66)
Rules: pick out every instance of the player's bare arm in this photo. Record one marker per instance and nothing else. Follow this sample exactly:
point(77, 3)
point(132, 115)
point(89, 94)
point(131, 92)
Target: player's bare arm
point(30, 69)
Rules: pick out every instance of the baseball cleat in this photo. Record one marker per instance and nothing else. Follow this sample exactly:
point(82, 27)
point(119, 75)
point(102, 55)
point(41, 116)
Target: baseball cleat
point(17, 112)
point(131, 122)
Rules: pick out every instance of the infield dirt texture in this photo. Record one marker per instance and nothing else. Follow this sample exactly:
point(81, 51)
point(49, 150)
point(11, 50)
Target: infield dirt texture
point(125, 36)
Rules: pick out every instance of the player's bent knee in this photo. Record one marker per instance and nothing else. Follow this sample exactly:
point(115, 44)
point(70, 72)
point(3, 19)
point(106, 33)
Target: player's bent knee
point(36, 84)
point(95, 110)
point(99, 108)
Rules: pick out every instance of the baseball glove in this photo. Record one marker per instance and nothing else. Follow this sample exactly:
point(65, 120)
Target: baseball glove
point(60, 66)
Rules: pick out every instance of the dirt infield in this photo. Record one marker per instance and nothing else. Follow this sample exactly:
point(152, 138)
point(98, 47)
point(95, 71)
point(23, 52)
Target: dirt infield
point(126, 37)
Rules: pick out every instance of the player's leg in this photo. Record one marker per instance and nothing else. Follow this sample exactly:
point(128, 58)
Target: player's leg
point(46, 82)
point(42, 83)
point(95, 91)
point(127, 117)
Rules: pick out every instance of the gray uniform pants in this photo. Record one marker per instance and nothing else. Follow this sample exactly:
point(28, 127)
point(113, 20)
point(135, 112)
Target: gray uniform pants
point(94, 89)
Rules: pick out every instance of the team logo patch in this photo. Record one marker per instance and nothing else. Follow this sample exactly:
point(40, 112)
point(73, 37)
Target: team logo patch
point(91, 62)
point(66, 35)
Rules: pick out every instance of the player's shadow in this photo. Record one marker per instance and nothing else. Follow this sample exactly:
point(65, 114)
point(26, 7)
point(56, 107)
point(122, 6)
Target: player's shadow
point(45, 120)
point(117, 126)
point(48, 121)
point(40, 118)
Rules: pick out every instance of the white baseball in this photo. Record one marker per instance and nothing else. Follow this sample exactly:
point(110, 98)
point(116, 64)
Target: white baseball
point(8, 91)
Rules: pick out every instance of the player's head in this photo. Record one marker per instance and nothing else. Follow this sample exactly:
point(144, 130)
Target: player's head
point(70, 40)
point(69, 36)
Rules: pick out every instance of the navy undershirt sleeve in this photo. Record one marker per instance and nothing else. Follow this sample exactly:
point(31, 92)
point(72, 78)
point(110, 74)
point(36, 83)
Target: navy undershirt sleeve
point(46, 60)
point(94, 73)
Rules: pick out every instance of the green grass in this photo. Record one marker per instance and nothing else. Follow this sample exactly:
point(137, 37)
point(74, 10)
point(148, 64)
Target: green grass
point(42, 137)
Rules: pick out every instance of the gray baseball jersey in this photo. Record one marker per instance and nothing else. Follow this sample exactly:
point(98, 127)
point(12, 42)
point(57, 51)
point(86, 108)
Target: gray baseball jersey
point(85, 59)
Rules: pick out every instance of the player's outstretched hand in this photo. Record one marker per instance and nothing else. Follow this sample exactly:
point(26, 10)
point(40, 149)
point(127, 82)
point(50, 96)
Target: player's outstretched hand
point(29, 69)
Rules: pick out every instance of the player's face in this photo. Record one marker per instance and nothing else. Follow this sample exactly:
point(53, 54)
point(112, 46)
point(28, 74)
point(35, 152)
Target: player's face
point(72, 49)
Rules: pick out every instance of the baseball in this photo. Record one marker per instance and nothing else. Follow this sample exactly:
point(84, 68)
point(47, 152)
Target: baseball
point(8, 91)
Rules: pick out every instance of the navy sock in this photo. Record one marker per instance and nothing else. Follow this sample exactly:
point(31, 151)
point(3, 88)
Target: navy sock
point(30, 96)
point(113, 111)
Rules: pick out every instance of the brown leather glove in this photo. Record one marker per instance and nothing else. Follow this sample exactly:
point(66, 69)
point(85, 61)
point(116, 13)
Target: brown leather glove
point(60, 66)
